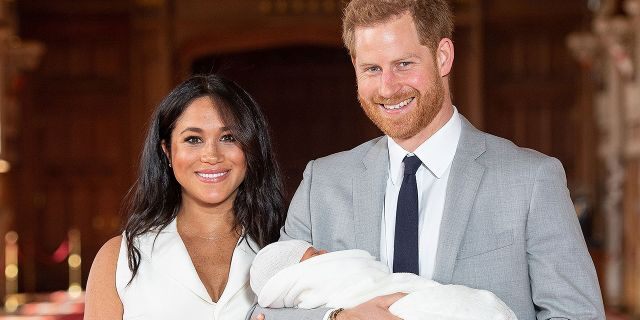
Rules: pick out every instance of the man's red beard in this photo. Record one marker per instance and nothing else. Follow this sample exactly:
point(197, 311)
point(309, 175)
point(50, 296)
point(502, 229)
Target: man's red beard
point(406, 126)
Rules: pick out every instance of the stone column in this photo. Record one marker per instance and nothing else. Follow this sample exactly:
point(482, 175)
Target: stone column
point(16, 56)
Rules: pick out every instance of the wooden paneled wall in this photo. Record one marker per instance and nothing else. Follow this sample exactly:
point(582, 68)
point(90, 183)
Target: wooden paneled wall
point(532, 84)
point(75, 142)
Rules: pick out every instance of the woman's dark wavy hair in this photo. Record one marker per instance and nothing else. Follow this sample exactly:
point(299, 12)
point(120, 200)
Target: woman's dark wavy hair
point(155, 198)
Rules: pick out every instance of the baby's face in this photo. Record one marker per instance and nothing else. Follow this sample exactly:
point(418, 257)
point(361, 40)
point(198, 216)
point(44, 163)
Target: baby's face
point(312, 252)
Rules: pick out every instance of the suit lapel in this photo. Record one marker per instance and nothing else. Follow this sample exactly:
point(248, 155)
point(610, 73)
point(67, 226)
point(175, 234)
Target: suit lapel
point(464, 179)
point(368, 197)
point(239, 271)
point(170, 255)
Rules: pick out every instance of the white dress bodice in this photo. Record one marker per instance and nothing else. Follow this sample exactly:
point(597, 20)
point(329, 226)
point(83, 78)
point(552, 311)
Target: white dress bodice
point(167, 285)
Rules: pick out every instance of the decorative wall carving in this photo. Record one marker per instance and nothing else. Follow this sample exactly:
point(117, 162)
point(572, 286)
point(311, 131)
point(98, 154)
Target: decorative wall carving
point(611, 53)
point(16, 56)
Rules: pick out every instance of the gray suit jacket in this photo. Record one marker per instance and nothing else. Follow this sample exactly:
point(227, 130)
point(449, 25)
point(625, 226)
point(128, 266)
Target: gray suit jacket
point(509, 225)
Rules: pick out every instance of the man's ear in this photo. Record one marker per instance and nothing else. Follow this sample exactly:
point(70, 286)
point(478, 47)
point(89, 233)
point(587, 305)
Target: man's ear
point(444, 56)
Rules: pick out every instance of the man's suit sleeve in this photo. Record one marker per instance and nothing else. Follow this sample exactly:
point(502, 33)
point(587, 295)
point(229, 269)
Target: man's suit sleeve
point(297, 226)
point(288, 313)
point(564, 284)
point(298, 222)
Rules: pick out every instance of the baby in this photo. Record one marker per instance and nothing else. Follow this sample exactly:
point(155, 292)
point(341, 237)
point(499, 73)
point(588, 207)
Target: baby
point(293, 274)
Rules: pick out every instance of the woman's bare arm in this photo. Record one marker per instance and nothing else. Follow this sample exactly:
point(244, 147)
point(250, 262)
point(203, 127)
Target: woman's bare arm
point(101, 299)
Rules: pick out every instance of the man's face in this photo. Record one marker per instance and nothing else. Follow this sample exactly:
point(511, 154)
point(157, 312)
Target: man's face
point(399, 83)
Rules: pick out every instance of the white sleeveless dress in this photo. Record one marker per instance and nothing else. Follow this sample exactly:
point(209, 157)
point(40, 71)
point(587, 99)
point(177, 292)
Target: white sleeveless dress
point(167, 285)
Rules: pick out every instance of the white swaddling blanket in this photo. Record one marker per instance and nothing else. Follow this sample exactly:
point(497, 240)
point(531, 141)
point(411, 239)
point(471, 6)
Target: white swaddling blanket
point(350, 277)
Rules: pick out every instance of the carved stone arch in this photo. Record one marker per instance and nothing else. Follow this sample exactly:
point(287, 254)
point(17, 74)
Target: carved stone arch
point(229, 41)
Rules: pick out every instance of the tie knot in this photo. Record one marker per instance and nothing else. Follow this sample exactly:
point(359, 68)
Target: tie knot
point(411, 164)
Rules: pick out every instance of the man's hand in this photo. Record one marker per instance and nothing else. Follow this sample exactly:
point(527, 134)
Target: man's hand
point(374, 309)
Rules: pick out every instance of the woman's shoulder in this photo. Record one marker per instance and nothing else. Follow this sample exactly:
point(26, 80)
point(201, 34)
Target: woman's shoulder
point(106, 260)
point(101, 294)
point(111, 247)
point(109, 251)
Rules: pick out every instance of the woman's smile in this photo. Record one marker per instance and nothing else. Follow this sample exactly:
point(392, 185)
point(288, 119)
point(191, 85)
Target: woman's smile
point(212, 176)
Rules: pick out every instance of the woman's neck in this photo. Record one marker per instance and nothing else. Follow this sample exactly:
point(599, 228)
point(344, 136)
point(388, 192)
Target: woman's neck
point(201, 219)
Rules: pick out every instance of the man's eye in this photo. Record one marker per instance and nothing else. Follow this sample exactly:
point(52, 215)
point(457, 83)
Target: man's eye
point(192, 140)
point(404, 64)
point(227, 138)
point(372, 69)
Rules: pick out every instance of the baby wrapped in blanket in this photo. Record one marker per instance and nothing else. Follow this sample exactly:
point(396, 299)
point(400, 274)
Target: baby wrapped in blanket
point(293, 274)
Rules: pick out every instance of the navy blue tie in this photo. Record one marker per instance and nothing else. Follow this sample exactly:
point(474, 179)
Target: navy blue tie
point(405, 244)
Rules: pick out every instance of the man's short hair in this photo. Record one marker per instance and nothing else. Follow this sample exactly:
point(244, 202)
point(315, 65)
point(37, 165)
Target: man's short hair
point(433, 18)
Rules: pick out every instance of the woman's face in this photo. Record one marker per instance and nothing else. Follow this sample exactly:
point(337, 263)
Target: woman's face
point(206, 159)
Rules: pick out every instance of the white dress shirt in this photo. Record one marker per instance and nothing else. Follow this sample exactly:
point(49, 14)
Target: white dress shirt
point(436, 154)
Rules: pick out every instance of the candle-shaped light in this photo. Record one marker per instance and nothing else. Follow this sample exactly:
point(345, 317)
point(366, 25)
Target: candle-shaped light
point(11, 270)
point(75, 264)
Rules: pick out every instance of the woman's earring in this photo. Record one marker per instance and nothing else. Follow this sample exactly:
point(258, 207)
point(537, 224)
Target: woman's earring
point(169, 164)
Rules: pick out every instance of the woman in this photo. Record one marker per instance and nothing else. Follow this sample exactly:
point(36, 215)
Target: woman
point(208, 196)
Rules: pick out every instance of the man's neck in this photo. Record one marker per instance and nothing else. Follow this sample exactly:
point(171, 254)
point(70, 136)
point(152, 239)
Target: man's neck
point(443, 116)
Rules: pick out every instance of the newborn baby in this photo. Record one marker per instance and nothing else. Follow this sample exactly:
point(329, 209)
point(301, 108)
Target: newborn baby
point(293, 274)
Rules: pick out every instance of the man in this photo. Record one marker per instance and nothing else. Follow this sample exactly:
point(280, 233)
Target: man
point(488, 215)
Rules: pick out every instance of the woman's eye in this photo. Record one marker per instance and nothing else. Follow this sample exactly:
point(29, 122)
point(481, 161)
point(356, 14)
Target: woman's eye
point(193, 140)
point(227, 138)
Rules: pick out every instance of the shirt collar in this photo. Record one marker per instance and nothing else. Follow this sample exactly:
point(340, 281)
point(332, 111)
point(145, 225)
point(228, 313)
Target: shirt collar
point(436, 153)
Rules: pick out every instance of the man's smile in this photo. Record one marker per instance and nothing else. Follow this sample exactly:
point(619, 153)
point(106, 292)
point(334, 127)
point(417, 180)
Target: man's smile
point(397, 105)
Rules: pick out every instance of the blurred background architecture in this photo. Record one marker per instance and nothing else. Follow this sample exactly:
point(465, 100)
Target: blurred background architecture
point(78, 81)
